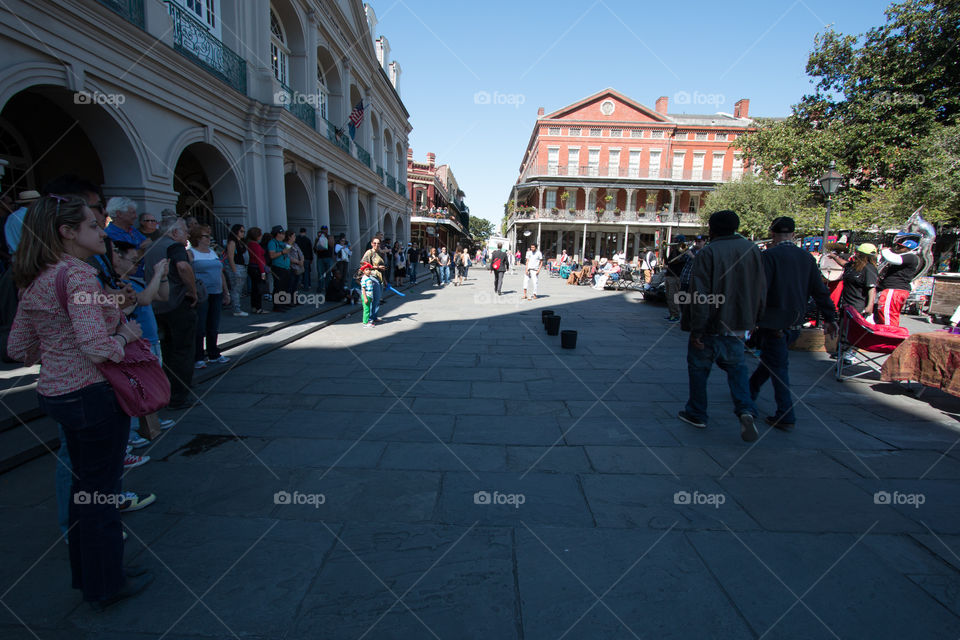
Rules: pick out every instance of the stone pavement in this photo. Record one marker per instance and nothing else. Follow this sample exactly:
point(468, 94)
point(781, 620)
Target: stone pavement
point(454, 474)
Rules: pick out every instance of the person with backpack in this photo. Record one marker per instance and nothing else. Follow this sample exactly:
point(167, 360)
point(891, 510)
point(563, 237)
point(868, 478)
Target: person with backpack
point(499, 265)
point(413, 257)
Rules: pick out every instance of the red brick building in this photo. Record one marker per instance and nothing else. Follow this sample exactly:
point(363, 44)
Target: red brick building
point(609, 174)
point(440, 217)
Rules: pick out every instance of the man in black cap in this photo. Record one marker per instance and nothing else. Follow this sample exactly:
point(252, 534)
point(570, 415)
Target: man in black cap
point(727, 292)
point(792, 278)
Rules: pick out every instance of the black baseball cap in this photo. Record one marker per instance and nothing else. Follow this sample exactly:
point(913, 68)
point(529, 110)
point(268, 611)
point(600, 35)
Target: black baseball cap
point(276, 229)
point(783, 224)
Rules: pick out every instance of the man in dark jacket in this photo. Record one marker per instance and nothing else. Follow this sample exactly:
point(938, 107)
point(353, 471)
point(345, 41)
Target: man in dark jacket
point(727, 293)
point(500, 263)
point(792, 278)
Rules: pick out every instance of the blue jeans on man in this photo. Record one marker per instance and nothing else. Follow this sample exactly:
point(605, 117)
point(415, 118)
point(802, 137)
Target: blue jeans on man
point(774, 363)
point(413, 272)
point(445, 274)
point(324, 271)
point(727, 353)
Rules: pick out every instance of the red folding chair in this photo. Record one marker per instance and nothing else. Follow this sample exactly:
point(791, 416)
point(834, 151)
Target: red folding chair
point(869, 343)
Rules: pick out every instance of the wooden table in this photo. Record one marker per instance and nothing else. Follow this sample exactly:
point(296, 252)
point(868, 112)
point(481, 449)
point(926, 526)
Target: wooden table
point(932, 359)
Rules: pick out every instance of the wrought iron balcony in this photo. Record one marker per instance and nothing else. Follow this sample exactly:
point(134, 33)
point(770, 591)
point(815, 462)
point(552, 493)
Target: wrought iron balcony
point(402, 189)
point(131, 10)
point(194, 41)
point(291, 101)
point(590, 216)
point(380, 171)
point(391, 182)
point(630, 172)
point(363, 155)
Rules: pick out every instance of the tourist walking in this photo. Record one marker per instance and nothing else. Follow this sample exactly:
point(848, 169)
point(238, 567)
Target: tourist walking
point(413, 257)
point(443, 261)
point(727, 291)
point(463, 263)
point(323, 249)
point(433, 261)
point(69, 332)
point(500, 263)
point(297, 268)
point(531, 270)
point(793, 277)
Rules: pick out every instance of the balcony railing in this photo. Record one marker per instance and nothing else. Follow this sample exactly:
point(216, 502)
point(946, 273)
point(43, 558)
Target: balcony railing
point(337, 137)
point(391, 182)
point(402, 189)
point(362, 155)
point(131, 10)
point(380, 171)
point(193, 40)
point(583, 215)
point(301, 110)
point(630, 172)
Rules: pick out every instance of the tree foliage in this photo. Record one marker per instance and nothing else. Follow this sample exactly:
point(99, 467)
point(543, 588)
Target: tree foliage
point(882, 108)
point(480, 228)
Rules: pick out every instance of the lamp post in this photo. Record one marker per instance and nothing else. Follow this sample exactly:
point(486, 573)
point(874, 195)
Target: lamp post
point(829, 184)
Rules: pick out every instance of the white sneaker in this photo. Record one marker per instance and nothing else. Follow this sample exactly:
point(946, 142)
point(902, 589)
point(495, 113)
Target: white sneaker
point(240, 314)
point(222, 360)
point(200, 364)
point(136, 441)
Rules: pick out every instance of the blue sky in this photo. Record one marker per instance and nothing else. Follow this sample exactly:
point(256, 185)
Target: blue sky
point(530, 53)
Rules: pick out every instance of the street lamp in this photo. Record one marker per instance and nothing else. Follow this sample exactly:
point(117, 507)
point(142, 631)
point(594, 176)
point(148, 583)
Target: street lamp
point(829, 184)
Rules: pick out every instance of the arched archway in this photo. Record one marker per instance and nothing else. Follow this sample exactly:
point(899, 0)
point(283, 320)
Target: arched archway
point(398, 235)
point(388, 160)
point(208, 188)
point(366, 232)
point(377, 150)
point(87, 139)
point(338, 219)
point(287, 46)
point(329, 82)
point(299, 209)
point(401, 158)
point(387, 226)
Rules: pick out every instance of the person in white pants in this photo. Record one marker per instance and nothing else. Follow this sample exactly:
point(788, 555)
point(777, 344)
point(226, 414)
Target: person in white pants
point(531, 270)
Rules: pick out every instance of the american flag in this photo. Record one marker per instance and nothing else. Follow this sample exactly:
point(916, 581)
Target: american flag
point(356, 117)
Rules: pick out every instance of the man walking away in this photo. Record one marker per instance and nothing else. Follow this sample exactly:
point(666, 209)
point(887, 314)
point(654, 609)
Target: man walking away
point(899, 266)
point(792, 278)
point(531, 270)
point(727, 292)
point(649, 265)
point(499, 265)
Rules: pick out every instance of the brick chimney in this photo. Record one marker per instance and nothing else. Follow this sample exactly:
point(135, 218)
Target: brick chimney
point(662, 104)
point(431, 159)
point(540, 111)
point(741, 108)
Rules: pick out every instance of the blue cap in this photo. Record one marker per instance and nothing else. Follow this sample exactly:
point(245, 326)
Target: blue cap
point(909, 244)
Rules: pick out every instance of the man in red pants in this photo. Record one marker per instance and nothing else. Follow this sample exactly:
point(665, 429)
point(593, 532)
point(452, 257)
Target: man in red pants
point(901, 263)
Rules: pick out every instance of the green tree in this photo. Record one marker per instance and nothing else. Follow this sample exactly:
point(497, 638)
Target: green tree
point(880, 103)
point(480, 228)
point(758, 200)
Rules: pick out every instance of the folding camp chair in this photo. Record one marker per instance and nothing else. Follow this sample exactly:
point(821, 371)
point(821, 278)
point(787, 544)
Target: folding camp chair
point(869, 343)
point(627, 281)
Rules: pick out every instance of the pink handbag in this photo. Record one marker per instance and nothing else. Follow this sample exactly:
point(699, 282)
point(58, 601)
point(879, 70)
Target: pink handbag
point(138, 380)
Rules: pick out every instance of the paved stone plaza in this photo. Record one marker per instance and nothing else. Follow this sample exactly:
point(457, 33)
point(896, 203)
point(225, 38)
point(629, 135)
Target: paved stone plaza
point(454, 474)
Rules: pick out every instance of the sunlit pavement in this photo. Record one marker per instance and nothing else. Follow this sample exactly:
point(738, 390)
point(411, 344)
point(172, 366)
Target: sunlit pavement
point(453, 473)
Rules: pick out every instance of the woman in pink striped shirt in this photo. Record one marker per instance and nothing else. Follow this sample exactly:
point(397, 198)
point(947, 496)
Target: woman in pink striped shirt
point(69, 338)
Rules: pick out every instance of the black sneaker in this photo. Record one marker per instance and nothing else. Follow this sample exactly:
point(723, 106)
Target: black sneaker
point(777, 423)
point(748, 430)
point(130, 588)
point(689, 419)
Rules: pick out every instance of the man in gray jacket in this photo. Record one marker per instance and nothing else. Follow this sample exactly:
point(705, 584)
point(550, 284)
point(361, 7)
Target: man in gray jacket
point(727, 293)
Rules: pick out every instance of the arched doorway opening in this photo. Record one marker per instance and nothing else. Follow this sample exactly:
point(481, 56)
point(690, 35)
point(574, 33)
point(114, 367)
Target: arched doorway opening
point(338, 219)
point(84, 139)
point(299, 210)
point(208, 189)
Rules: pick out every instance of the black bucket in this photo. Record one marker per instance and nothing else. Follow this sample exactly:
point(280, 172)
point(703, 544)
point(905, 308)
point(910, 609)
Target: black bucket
point(544, 315)
point(553, 325)
point(568, 339)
